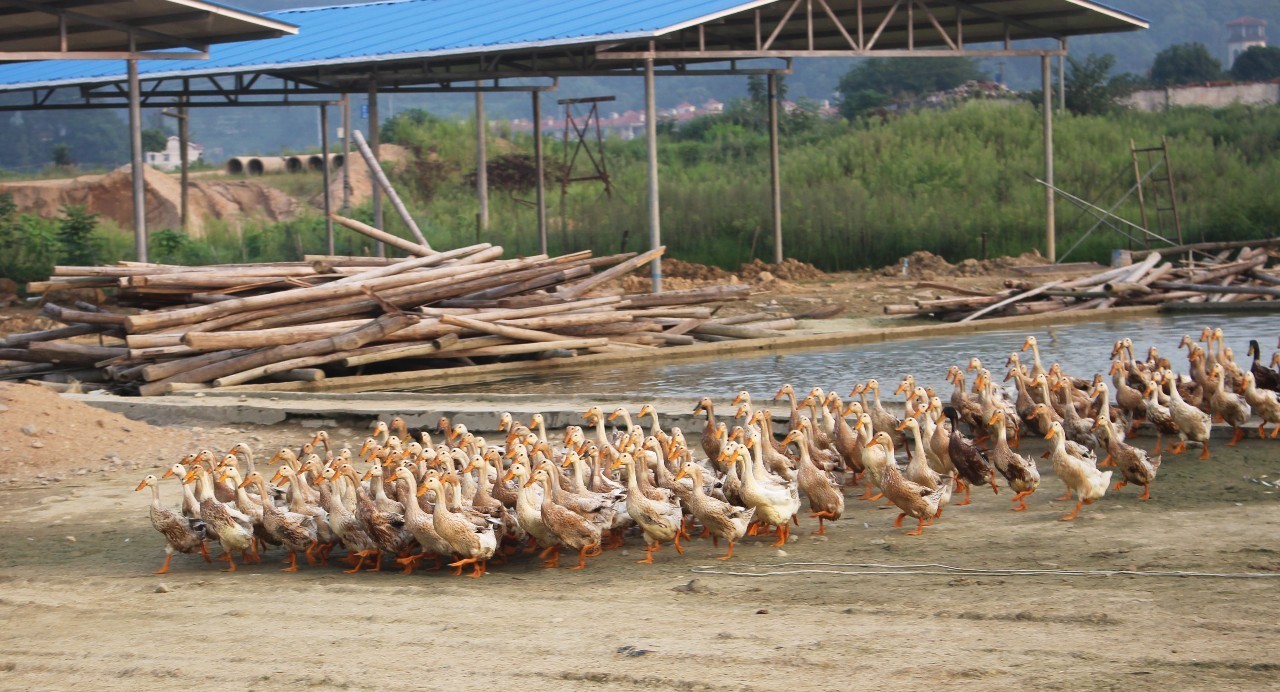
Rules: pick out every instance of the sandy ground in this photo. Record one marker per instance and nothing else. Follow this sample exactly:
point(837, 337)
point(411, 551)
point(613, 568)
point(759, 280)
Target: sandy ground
point(80, 604)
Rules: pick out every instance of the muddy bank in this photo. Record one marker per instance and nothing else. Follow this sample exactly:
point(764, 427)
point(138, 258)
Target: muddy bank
point(75, 557)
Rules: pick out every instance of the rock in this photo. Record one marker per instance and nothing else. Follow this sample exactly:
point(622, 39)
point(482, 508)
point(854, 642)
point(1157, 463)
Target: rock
point(70, 539)
point(37, 444)
point(762, 611)
point(779, 553)
point(694, 585)
point(3, 408)
point(29, 429)
point(162, 588)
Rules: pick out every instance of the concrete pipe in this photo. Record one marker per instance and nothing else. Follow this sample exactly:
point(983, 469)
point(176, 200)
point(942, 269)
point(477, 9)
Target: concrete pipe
point(315, 162)
point(237, 165)
point(295, 164)
point(260, 165)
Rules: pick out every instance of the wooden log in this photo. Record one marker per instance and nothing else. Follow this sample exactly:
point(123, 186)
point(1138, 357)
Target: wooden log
point(685, 326)
point(298, 375)
point(1210, 288)
point(1130, 278)
point(65, 352)
point(612, 329)
point(347, 341)
point(708, 294)
point(743, 319)
point(67, 315)
point(394, 241)
point(579, 288)
point(904, 310)
point(955, 304)
point(952, 288)
point(39, 287)
point(381, 177)
point(777, 325)
point(1013, 299)
point(1264, 277)
point(562, 321)
point(350, 260)
point(541, 281)
point(15, 340)
point(735, 331)
point(527, 347)
point(20, 371)
point(1209, 247)
point(304, 362)
point(258, 338)
point(1223, 271)
point(700, 313)
point(286, 300)
point(515, 333)
point(399, 351)
point(22, 355)
point(675, 339)
point(418, 263)
point(162, 371)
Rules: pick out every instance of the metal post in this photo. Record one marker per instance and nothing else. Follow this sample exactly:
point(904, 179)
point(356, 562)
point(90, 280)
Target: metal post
point(538, 166)
point(374, 142)
point(775, 181)
point(346, 152)
point(137, 174)
point(482, 166)
point(184, 141)
point(324, 176)
point(1062, 76)
point(1049, 230)
point(651, 142)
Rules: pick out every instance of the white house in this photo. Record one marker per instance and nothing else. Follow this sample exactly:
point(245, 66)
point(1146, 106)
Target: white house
point(171, 158)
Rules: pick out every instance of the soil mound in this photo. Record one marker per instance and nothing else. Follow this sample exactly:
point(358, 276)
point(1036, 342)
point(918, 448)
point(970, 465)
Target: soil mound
point(925, 265)
point(45, 436)
point(788, 270)
point(111, 196)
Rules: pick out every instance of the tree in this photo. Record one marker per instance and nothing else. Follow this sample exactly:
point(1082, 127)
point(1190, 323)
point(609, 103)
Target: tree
point(1257, 64)
point(1185, 63)
point(154, 139)
point(876, 82)
point(62, 155)
point(75, 232)
point(1091, 89)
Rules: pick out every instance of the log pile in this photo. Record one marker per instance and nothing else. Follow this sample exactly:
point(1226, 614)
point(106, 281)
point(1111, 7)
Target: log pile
point(1218, 281)
point(197, 327)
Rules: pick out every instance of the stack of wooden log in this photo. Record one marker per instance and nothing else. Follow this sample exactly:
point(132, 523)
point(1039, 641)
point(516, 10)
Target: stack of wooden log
point(195, 327)
point(1214, 281)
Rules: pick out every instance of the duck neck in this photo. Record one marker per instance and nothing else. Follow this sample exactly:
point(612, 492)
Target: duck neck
point(409, 498)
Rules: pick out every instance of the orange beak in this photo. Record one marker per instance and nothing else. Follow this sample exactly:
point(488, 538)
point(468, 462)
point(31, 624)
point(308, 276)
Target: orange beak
point(422, 490)
point(1050, 434)
point(143, 484)
point(871, 444)
point(244, 483)
point(612, 415)
point(904, 425)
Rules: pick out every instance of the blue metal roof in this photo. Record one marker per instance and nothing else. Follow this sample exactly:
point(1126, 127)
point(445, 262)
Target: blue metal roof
point(402, 29)
point(406, 30)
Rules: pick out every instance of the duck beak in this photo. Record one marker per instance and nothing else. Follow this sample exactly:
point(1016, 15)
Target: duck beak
point(243, 484)
point(1050, 434)
point(367, 475)
point(422, 490)
point(531, 482)
point(167, 473)
point(1026, 344)
point(143, 484)
point(871, 444)
point(612, 416)
point(680, 475)
point(903, 426)
point(510, 476)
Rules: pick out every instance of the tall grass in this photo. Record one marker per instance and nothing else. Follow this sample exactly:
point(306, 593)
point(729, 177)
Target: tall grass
point(854, 195)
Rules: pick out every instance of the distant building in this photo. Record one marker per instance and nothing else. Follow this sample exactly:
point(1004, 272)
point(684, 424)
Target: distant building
point(1242, 34)
point(171, 158)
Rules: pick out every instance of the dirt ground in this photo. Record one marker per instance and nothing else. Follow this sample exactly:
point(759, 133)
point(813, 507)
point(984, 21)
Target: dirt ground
point(79, 602)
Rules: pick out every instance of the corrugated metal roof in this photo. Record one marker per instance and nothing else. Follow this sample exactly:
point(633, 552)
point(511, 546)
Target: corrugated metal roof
point(421, 29)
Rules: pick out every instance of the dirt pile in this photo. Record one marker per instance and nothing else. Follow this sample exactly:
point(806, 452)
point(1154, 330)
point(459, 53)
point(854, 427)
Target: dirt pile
point(925, 265)
point(788, 270)
point(111, 196)
point(678, 275)
point(45, 436)
point(392, 156)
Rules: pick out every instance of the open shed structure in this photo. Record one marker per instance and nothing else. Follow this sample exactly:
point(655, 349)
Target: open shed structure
point(108, 32)
point(463, 45)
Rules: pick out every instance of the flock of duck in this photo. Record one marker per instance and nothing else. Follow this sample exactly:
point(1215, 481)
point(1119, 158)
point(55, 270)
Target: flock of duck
point(469, 502)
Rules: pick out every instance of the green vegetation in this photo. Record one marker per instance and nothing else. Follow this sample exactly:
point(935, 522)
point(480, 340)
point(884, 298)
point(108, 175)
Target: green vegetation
point(1257, 64)
point(855, 194)
point(876, 82)
point(1185, 63)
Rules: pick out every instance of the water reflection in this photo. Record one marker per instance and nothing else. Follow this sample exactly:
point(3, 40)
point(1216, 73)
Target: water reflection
point(1083, 349)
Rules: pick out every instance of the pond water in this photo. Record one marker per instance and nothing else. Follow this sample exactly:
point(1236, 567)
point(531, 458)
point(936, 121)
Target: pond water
point(1082, 348)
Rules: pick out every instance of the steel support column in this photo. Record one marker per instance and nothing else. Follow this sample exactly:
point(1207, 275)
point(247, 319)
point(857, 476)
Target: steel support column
point(1050, 241)
point(324, 177)
point(184, 141)
point(1062, 76)
point(137, 174)
point(651, 143)
point(775, 180)
point(541, 171)
point(346, 153)
point(482, 166)
point(375, 141)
